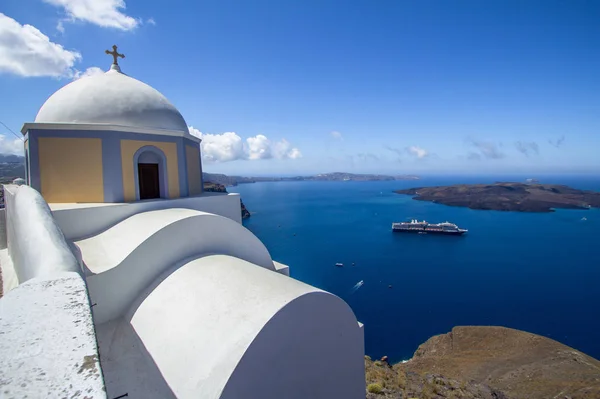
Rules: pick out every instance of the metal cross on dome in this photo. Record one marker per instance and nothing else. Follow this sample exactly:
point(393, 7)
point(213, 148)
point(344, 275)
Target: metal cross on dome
point(115, 54)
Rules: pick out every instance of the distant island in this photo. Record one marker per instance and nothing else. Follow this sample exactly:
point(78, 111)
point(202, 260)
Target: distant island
point(520, 197)
point(216, 182)
point(336, 176)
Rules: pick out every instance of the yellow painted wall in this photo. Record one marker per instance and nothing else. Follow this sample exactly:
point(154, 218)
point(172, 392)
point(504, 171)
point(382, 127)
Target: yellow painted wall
point(71, 169)
point(192, 155)
point(128, 149)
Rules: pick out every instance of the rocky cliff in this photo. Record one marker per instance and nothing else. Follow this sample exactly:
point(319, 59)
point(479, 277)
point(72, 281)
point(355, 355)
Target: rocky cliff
point(245, 212)
point(386, 381)
point(214, 187)
point(489, 362)
point(220, 188)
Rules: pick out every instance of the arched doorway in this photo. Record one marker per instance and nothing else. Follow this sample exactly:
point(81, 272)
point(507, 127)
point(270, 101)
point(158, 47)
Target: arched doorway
point(150, 173)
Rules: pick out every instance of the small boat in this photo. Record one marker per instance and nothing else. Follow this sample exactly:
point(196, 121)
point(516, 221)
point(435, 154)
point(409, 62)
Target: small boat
point(584, 218)
point(339, 264)
point(357, 286)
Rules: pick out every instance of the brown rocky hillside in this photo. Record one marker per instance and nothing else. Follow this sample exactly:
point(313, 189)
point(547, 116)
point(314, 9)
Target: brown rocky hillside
point(491, 362)
point(397, 382)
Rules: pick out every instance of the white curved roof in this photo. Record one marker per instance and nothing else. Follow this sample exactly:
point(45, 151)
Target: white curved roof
point(155, 241)
point(112, 98)
point(227, 329)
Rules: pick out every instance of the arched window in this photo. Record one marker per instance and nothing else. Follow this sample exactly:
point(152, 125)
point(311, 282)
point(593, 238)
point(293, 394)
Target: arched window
point(150, 170)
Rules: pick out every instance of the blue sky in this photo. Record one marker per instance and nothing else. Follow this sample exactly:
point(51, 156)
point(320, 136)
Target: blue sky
point(293, 87)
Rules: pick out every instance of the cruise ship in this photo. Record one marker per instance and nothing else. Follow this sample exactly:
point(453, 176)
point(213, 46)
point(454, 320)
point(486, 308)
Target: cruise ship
point(414, 226)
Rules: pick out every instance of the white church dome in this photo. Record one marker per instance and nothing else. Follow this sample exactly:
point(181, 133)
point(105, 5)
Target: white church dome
point(112, 98)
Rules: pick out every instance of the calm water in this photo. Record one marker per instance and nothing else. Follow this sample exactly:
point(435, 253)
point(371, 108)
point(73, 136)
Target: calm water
point(535, 272)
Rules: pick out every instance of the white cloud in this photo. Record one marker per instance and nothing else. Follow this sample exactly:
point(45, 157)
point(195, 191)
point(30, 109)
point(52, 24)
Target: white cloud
point(230, 147)
point(258, 147)
point(11, 145)
point(105, 13)
point(294, 154)
point(220, 147)
point(92, 71)
point(336, 135)
point(486, 149)
point(283, 150)
point(558, 142)
point(417, 151)
point(366, 156)
point(151, 21)
point(25, 51)
point(195, 132)
point(527, 148)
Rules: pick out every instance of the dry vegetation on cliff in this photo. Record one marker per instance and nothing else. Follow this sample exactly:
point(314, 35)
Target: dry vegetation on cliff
point(489, 362)
point(398, 382)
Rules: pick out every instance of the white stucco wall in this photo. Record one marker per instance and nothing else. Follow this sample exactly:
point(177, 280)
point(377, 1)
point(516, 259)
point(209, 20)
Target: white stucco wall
point(2, 228)
point(230, 329)
point(312, 348)
point(125, 259)
point(48, 345)
point(281, 268)
point(99, 217)
point(9, 276)
point(35, 243)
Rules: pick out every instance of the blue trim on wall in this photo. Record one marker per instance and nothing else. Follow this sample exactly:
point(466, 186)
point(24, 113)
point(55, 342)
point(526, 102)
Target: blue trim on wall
point(34, 163)
point(112, 170)
point(162, 171)
point(27, 166)
point(182, 164)
point(190, 142)
point(111, 157)
point(195, 145)
point(201, 174)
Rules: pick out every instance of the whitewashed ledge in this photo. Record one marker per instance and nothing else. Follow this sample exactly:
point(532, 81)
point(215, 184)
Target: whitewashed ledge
point(48, 344)
point(47, 341)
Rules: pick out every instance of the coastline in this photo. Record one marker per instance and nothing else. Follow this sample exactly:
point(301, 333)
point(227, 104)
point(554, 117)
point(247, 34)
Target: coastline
point(350, 222)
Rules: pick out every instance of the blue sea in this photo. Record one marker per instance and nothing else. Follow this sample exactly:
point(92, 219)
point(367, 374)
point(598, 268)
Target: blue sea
point(534, 272)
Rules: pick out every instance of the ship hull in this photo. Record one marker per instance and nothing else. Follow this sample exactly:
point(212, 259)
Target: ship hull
point(445, 233)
